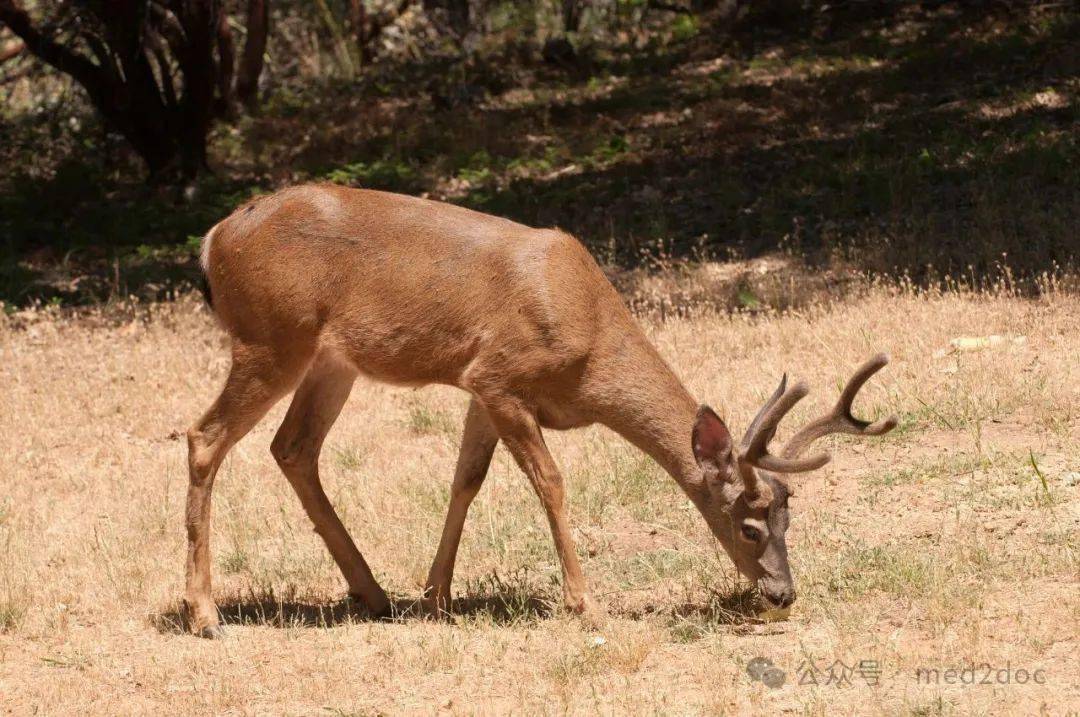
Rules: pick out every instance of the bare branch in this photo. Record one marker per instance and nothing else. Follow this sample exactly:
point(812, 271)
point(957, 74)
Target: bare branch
point(169, 26)
point(156, 46)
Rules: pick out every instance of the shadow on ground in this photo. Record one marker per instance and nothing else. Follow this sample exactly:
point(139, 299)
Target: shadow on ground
point(500, 608)
point(507, 606)
point(733, 608)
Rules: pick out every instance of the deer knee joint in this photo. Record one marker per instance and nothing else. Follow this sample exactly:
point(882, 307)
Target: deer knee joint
point(290, 454)
point(200, 454)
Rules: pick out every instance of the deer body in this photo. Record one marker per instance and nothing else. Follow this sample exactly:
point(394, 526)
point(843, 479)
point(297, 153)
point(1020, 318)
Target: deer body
point(368, 275)
point(317, 284)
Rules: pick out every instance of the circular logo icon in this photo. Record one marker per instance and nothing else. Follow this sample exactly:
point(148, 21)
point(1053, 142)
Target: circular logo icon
point(763, 670)
point(773, 677)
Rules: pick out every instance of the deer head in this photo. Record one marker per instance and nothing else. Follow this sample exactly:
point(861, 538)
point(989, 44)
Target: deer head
point(746, 496)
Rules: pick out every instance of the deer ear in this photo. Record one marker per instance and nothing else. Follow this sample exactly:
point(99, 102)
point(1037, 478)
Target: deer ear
point(711, 439)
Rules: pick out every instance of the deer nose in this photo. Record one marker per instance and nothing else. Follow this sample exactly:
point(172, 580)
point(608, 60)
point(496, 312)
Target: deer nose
point(784, 598)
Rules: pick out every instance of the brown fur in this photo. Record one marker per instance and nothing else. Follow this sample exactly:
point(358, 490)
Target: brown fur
point(317, 284)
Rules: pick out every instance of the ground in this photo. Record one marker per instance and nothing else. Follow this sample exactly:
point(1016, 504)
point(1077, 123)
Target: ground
point(949, 544)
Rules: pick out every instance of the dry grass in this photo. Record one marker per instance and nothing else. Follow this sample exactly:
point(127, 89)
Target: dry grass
point(950, 543)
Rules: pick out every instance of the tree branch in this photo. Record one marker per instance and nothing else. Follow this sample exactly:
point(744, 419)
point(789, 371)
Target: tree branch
point(11, 51)
point(156, 46)
point(49, 51)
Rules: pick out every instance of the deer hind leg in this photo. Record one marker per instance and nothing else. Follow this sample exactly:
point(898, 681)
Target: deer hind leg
point(258, 378)
point(477, 446)
point(519, 430)
point(296, 448)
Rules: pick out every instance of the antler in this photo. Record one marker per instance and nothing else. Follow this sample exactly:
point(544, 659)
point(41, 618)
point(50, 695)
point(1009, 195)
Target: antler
point(754, 449)
point(839, 419)
point(756, 423)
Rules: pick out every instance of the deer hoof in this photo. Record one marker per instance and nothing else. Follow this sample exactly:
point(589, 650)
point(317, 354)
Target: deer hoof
point(378, 606)
point(437, 608)
point(212, 632)
point(589, 611)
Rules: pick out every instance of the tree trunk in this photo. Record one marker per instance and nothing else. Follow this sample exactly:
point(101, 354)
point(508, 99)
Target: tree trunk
point(571, 13)
point(130, 103)
point(358, 22)
point(251, 62)
point(199, 19)
point(460, 17)
point(226, 67)
point(128, 39)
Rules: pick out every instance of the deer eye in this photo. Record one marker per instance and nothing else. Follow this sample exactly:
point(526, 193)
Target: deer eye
point(751, 533)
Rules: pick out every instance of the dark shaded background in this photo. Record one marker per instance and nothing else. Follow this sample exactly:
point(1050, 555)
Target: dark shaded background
point(931, 142)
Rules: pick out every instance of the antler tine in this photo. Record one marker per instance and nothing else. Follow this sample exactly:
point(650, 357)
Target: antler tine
point(756, 423)
point(754, 450)
point(840, 418)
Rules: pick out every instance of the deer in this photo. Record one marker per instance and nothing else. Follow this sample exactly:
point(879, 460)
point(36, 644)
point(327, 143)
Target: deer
point(317, 285)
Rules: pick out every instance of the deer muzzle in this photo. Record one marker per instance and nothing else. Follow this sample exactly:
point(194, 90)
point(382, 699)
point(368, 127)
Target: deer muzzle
point(777, 593)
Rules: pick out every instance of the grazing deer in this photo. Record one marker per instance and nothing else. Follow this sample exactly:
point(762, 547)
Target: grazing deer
point(317, 284)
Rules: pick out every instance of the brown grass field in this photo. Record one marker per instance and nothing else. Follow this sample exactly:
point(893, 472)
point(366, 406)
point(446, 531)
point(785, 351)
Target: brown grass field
point(950, 543)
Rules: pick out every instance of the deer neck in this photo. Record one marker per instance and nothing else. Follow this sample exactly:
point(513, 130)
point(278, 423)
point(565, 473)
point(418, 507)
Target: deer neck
point(646, 403)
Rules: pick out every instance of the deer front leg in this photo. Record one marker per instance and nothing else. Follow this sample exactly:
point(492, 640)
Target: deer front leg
point(477, 445)
point(519, 430)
